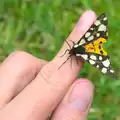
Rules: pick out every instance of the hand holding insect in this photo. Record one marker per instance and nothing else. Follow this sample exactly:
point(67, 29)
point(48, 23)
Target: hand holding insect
point(35, 88)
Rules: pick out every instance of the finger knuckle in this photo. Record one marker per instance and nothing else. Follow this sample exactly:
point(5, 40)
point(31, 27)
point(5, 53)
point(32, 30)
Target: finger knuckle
point(22, 60)
point(50, 75)
point(18, 54)
point(22, 57)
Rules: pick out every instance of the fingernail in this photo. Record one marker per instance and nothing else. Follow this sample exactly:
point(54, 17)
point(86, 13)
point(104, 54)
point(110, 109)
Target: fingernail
point(82, 23)
point(81, 96)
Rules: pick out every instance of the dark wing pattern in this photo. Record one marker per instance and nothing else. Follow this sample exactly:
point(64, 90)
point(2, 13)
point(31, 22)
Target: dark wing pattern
point(92, 42)
point(98, 61)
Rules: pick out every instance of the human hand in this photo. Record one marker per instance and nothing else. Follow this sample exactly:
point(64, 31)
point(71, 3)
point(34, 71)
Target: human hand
point(31, 89)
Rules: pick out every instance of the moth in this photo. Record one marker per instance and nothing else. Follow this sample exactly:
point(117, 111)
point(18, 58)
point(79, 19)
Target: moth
point(90, 49)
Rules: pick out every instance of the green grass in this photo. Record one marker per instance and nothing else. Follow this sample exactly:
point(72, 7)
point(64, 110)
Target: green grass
point(32, 26)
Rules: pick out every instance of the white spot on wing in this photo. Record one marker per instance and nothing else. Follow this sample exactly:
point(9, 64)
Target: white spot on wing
point(75, 46)
point(91, 28)
point(105, 19)
point(102, 28)
point(93, 57)
point(97, 22)
point(104, 70)
point(87, 34)
point(97, 66)
point(98, 34)
point(106, 63)
point(112, 71)
point(92, 62)
point(82, 41)
point(100, 58)
point(78, 54)
point(90, 38)
point(84, 56)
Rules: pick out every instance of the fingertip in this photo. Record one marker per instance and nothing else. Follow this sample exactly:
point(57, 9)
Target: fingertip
point(88, 13)
point(82, 95)
point(84, 86)
point(76, 103)
point(86, 81)
point(87, 18)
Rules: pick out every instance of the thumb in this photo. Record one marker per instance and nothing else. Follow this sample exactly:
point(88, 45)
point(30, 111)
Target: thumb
point(76, 103)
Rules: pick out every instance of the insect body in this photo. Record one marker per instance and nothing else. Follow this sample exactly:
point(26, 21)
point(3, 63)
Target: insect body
point(89, 47)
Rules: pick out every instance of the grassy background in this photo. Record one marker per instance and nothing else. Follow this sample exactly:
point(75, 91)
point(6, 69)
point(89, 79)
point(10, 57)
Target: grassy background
point(32, 26)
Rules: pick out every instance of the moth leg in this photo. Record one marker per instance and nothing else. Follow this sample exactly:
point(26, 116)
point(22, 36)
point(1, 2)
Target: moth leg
point(72, 42)
point(68, 44)
point(65, 61)
point(71, 62)
point(77, 60)
point(65, 53)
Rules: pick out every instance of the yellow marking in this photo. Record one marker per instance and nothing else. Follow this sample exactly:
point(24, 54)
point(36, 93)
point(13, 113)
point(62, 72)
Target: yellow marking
point(96, 47)
point(106, 33)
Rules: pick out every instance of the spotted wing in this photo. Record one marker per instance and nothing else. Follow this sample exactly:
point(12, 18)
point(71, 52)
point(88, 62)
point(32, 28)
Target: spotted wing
point(97, 32)
point(92, 42)
point(99, 61)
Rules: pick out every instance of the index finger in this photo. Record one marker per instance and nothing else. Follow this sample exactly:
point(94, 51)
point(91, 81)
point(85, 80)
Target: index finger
point(83, 24)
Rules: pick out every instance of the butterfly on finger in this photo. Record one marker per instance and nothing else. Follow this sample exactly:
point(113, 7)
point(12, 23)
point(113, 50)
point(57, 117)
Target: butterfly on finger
point(90, 49)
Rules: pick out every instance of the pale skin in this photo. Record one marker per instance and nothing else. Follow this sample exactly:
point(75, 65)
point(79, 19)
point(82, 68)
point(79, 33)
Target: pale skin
point(31, 89)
